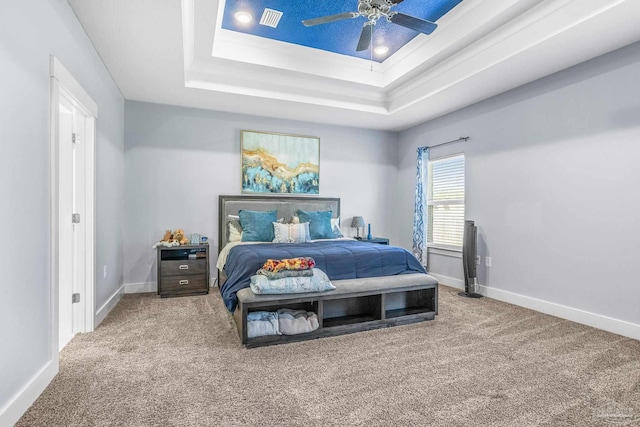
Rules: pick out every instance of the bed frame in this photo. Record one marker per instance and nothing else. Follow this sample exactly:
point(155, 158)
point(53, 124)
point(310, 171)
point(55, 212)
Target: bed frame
point(285, 206)
point(355, 305)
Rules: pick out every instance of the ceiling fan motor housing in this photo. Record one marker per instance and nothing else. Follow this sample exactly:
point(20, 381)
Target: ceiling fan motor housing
point(375, 9)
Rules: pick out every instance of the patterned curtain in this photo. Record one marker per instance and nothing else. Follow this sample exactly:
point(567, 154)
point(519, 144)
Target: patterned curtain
point(419, 221)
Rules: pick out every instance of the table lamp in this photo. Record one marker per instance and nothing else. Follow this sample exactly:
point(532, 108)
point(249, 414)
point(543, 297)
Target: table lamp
point(356, 223)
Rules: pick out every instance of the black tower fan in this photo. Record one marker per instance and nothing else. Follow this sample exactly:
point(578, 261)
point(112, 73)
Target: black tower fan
point(469, 252)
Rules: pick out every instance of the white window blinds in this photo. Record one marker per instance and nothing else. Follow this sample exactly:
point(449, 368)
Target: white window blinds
point(445, 201)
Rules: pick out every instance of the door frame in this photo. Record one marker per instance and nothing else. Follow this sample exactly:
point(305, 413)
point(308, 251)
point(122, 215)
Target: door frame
point(63, 82)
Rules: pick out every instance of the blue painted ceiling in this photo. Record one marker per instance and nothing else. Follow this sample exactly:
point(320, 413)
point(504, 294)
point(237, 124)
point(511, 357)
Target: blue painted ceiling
point(340, 36)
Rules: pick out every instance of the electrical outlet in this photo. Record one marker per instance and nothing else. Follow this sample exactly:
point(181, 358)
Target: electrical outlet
point(487, 261)
point(477, 259)
point(104, 273)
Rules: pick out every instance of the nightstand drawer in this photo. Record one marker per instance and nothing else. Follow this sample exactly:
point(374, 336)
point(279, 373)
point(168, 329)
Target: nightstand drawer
point(173, 284)
point(183, 267)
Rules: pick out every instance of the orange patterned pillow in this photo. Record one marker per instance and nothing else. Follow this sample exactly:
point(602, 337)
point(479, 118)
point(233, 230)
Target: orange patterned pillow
point(300, 263)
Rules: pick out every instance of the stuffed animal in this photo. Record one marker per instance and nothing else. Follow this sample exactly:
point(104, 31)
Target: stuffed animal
point(167, 241)
point(168, 236)
point(178, 236)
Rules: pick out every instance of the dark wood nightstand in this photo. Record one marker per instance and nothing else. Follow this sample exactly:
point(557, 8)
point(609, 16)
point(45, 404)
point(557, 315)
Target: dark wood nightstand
point(183, 270)
point(379, 240)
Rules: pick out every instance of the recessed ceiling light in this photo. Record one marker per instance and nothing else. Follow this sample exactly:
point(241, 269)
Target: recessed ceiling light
point(243, 17)
point(381, 50)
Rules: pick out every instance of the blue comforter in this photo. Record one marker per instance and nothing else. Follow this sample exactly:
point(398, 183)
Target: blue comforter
point(340, 259)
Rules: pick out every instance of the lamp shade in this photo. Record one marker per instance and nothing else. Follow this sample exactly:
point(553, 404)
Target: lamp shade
point(358, 221)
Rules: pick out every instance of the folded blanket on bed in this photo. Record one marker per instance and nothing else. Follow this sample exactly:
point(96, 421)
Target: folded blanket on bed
point(291, 285)
point(261, 323)
point(293, 322)
point(298, 263)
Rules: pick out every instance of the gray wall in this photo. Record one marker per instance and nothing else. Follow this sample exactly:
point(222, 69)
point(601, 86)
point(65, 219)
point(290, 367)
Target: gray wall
point(31, 30)
point(552, 182)
point(179, 160)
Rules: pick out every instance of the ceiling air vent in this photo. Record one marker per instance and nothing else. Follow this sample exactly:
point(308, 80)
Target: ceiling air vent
point(270, 17)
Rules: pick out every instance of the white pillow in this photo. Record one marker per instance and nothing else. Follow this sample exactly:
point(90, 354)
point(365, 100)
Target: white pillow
point(335, 227)
point(234, 229)
point(291, 233)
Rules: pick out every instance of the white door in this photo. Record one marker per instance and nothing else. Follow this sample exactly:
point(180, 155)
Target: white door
point(74, 115)
point(78, 260)
point(71, 190)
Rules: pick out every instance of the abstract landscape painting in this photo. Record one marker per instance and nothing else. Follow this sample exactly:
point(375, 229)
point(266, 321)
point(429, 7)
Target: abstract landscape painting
point(280, 164)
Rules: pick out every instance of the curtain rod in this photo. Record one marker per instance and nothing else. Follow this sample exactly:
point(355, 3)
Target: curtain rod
point(462, 138)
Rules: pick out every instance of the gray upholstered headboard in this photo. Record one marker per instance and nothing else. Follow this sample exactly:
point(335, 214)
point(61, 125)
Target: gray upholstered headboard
point(286, 206)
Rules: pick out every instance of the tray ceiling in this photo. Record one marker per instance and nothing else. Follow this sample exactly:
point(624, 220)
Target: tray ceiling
point(178, 52)
point(338, 37)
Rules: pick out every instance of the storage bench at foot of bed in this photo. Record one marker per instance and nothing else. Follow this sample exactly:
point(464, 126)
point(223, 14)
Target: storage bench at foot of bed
point(355, 305)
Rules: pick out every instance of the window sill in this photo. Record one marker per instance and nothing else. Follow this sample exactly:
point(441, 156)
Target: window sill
point(450, 251)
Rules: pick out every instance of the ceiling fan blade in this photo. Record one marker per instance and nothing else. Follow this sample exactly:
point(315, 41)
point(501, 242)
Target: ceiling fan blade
point(365, 37)
point(417, 24)
point(330, 18)
point(396, 1)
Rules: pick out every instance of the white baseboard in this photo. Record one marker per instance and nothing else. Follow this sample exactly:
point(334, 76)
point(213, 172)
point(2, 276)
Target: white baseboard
point(599, 321)
point(140, 288)
point(24, 398)
point(108, 306)
point(594, 320)
point(449, 281)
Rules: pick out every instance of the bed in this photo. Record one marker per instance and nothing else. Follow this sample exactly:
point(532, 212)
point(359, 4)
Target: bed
point(347, 262)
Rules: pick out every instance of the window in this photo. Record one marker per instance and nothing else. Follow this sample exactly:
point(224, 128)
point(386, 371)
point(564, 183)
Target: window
point(445, 201)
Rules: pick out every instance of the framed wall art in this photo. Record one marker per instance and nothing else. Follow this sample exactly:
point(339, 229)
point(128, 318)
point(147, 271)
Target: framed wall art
point(275, 163)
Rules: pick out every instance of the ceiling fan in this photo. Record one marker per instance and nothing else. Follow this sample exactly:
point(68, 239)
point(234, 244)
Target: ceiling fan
point(374, 10)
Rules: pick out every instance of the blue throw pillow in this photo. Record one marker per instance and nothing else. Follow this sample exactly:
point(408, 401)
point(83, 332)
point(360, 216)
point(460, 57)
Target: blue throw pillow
point(319, 223)
point(257, 226)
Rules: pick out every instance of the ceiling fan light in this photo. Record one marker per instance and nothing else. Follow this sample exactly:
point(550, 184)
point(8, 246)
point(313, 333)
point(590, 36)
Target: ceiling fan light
point(243, 17)
point(381, 50)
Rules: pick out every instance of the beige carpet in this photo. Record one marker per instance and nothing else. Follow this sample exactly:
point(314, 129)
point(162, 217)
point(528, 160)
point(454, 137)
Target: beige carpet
point(178, 362)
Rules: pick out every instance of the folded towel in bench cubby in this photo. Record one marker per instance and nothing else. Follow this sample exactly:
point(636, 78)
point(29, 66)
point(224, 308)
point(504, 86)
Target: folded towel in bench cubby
point(282, 322)
point(294, 322)
point(262, 323)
